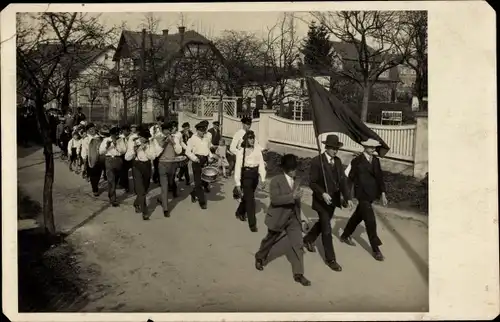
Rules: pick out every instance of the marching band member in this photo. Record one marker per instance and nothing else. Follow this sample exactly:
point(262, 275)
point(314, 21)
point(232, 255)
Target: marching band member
point(249, 166)
point(141, 152)
point(366, 174)
point(238, 139)
point(283, 221)
point(90, 154)
point(198, 151)
point(167, 147)
point(216, 136)
point(154, 131)
point(113, 148)
point(127, 165)
point(74, 151)
point(184, 166)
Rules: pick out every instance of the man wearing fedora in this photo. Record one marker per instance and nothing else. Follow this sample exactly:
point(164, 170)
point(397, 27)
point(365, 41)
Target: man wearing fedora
point(330, 190)
point(365, 173)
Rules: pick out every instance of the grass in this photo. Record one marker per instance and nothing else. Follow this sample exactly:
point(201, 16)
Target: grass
point(403, 192)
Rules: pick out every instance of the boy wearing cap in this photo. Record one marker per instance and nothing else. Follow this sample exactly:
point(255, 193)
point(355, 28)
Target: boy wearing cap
point(127, 165)
point(113, 148)
point(167, 147)
point(198, 151)
point(238, 139)
point(366, 174)
point(329, 185)
point(90, 154)
point(184, 166)
point(141, 152)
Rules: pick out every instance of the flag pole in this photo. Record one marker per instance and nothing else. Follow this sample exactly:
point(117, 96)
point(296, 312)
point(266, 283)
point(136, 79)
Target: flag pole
point(317, 136)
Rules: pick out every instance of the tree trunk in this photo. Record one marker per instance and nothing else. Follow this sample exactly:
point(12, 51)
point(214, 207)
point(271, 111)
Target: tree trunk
point(166, 109)
point(364, 104)
point(125, 110)
point(47, 207)
point(90, 111)
point(65, 97)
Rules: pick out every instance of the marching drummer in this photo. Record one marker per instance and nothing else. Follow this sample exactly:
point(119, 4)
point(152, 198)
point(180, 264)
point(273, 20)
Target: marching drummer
point(249, 167)
point(167, 147)
point(154, 131)
point(198, 151)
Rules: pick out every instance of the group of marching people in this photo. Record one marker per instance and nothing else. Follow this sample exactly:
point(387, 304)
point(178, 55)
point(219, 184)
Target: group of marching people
point(164, 151)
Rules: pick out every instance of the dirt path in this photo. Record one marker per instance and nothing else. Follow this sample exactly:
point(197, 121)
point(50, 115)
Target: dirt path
point(203, 260)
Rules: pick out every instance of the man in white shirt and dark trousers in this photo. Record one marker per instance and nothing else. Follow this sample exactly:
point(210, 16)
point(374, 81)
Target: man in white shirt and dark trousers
point(141, 152)
point(113, 148)
point(237, 140)
point(184, 166)
point(167, 147)
point(155, 130)
point(127, 165)
point(90, 153)
point(248, 168)
point(198, 151)
point(284, 222)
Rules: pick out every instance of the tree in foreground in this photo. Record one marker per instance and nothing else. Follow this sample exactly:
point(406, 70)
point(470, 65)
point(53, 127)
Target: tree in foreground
point(43, 42)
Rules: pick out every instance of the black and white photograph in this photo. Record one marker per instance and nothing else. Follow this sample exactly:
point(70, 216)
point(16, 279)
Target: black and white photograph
point(191, 161)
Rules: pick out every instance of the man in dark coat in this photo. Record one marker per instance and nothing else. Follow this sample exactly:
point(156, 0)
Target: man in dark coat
point(216, 135)
point(79, 116)
point(330, 190)
point(283, 221)
point(367, 176)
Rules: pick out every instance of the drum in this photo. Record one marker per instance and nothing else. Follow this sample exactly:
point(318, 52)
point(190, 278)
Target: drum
point(209, 174)
point(181, 160)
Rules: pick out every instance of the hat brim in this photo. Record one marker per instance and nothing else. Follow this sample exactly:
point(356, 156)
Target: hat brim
point(336, 145)
point(371, 145)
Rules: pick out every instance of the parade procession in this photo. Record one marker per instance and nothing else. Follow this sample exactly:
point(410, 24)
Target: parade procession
point(168, 155)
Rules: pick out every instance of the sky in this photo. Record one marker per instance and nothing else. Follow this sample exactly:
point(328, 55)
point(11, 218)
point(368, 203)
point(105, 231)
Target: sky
point(210, 24)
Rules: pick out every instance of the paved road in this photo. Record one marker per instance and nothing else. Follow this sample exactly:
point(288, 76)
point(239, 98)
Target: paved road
point(203, 260)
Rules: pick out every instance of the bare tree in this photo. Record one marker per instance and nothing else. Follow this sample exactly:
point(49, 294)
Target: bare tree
point(359, 29)
point(43, 40)
point(279, 52)
point(412, 43)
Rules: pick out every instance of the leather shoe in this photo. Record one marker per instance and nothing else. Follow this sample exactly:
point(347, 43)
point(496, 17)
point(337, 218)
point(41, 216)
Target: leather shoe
point(204, 206)
point(145, 216)
point(193, 199)
point(166, 213)
point(254, 229)
point(137, 209)
point(299, 278)
point(259, 264)
point(334, 266)
point(114, 204)
point(347, 240)
point(309, 246)
point(378, 256)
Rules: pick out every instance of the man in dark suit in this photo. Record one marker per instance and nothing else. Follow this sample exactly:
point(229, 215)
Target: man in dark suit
point(367, 177)
point(283, 221)
point(330, 190)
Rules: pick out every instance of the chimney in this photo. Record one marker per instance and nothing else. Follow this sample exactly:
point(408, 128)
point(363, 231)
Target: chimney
point(181, 32)
point(165, 32)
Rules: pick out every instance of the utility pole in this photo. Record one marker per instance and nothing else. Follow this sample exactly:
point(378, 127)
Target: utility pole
point(141, 75)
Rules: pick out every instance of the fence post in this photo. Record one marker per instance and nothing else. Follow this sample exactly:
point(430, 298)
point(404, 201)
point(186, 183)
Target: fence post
point(421, 152)
point(264, 127)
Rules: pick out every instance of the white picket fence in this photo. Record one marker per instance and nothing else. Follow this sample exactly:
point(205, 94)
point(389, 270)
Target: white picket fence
point(400, 138)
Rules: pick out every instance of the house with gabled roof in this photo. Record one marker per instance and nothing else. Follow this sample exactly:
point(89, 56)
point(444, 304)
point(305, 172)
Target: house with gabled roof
point(174, 66)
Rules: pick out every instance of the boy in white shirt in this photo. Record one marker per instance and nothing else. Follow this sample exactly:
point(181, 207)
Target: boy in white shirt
point(74, 152)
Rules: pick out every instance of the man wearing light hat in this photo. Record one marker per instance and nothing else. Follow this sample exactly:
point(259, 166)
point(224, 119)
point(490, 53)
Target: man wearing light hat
point(365, 173)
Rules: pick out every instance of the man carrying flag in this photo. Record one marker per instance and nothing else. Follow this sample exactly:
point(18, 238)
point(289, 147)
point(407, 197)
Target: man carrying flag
point(330, 115)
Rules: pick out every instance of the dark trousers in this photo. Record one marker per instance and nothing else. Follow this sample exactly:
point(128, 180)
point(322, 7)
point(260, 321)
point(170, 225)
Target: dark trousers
point(95, 174)
point(156, 173)
point(113, 171)
point(324, 227)
point(288, 242)
point(184, 172)
point(124, 182)
point(85, 164)
point(231, 159)
point(141, 172)
point(199, 185)
point(249, 182)
point(167, 181)
point(364, 212)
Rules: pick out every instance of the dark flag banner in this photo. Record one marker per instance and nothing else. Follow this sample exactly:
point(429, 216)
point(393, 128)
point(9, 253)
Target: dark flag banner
point(331, 115)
